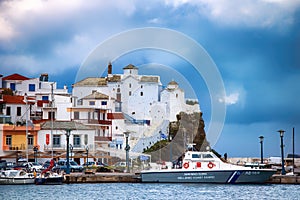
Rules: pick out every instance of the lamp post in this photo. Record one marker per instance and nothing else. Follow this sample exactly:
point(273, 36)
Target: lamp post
point(71, 149)
point(35, 149)
point(261, 140)
point(87, 153)
point(127, 148)
point(281, 132)
point(68, 133)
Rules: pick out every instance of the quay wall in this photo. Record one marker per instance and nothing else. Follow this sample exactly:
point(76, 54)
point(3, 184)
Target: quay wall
point(102, 178)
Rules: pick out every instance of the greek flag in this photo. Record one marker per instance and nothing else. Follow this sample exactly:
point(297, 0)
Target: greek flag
point(163, 136)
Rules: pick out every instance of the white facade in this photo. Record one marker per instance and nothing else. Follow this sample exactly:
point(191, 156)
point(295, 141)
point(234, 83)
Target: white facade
point(79, 138)
point(60, 105)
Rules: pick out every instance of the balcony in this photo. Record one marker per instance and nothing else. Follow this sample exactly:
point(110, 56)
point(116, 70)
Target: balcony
point(102, 139)
point(20, 147)
point(100, 122)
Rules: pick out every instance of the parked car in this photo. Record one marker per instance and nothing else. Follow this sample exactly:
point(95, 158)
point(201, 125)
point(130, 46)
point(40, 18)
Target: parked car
point(46, 165)
point(92, 163)
point(3, 164)
point(62, 165)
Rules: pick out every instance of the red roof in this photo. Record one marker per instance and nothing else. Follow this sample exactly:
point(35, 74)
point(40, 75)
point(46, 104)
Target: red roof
point(15, 99)
point(15, 77)
point(41, 102)
point(115, 116)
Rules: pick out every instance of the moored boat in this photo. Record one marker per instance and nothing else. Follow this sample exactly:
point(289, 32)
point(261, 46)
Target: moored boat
point(47, 177)
point(50, 178)
point(206, 167)
point(13, 177)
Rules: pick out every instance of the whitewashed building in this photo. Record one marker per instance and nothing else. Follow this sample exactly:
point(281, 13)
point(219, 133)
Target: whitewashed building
point(145, 105)
point(40, 91)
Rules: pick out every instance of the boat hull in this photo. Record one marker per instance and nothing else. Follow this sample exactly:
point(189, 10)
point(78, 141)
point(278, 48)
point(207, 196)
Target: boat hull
point(57, 180)
point(209, 176)
point(16, 181)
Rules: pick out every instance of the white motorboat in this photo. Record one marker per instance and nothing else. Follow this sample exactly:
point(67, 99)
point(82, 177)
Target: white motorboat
point(11, 177)
point(205, 167)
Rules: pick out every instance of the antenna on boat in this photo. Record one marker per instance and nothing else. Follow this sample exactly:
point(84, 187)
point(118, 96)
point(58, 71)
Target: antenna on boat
point(190, 146)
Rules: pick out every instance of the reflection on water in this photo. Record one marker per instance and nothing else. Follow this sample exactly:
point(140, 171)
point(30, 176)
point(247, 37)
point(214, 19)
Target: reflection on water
point(148, 191)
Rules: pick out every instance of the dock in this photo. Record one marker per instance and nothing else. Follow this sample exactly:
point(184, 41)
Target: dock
point(102, 178)
point(284, 179)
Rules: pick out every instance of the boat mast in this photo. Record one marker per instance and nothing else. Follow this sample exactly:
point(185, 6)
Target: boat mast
point(293, 148)
point(26, 101)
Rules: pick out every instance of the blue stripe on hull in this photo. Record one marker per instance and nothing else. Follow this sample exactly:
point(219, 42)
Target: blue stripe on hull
point(234, 176)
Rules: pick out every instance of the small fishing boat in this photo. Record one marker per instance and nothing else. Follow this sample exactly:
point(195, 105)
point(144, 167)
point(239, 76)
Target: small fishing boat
point(12, 177)
point(205, 167)
point(47, 177)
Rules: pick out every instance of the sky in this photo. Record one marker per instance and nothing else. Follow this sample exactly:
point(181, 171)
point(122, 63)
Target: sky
point(254, 44)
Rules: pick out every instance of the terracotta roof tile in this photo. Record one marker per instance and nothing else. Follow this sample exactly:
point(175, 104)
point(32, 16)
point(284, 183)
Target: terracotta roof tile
point(15, 77)
point(115, 116)
point(15, 99)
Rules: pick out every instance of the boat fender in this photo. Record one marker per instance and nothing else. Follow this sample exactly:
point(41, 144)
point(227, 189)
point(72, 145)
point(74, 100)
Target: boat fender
point(210, 165)
point(186, 165)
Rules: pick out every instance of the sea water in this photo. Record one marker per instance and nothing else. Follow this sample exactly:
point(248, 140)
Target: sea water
point(121, 191)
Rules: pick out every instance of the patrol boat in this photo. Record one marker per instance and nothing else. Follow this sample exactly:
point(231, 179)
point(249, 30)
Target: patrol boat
point(206, 167)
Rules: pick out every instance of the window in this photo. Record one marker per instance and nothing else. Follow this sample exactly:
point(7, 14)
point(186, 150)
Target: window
point(103, 103)
point(76, 140)
point(45, 98)
point(92, 103)
point(141, 86)
point(118, 90)
point(195, 156)
point(207, 156)
point(76, 115)
point(129, 93)
point(51, 115)
point(56, 140)
point(18, 111)
point(31, 87)
point(176, 95)
point(86, 139)
point(142, 93)
point(7, 110)
point(129, 85)
point(8, 140)
point(13, 86)
point(30, 140)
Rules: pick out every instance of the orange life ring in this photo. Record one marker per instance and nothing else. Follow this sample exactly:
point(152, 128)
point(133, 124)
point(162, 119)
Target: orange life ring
point(186, 165)
point(210, 165)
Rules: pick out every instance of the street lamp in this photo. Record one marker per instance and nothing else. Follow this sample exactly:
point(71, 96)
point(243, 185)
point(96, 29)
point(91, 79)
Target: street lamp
point(281, 132)
point(71, 149)
point(68, 133)
point(261, 140)
point(35, 149)
point(127, 148)
point(87, 153)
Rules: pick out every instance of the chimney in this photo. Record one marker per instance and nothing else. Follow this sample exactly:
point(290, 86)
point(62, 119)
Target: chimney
point(109, 71)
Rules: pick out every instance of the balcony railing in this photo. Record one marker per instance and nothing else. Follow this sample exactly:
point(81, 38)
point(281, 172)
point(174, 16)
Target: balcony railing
point(20, 147)
point(102, 139)
point(64, 147)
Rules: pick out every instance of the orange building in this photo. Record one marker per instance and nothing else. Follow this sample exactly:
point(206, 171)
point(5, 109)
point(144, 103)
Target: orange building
point(14, 140)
